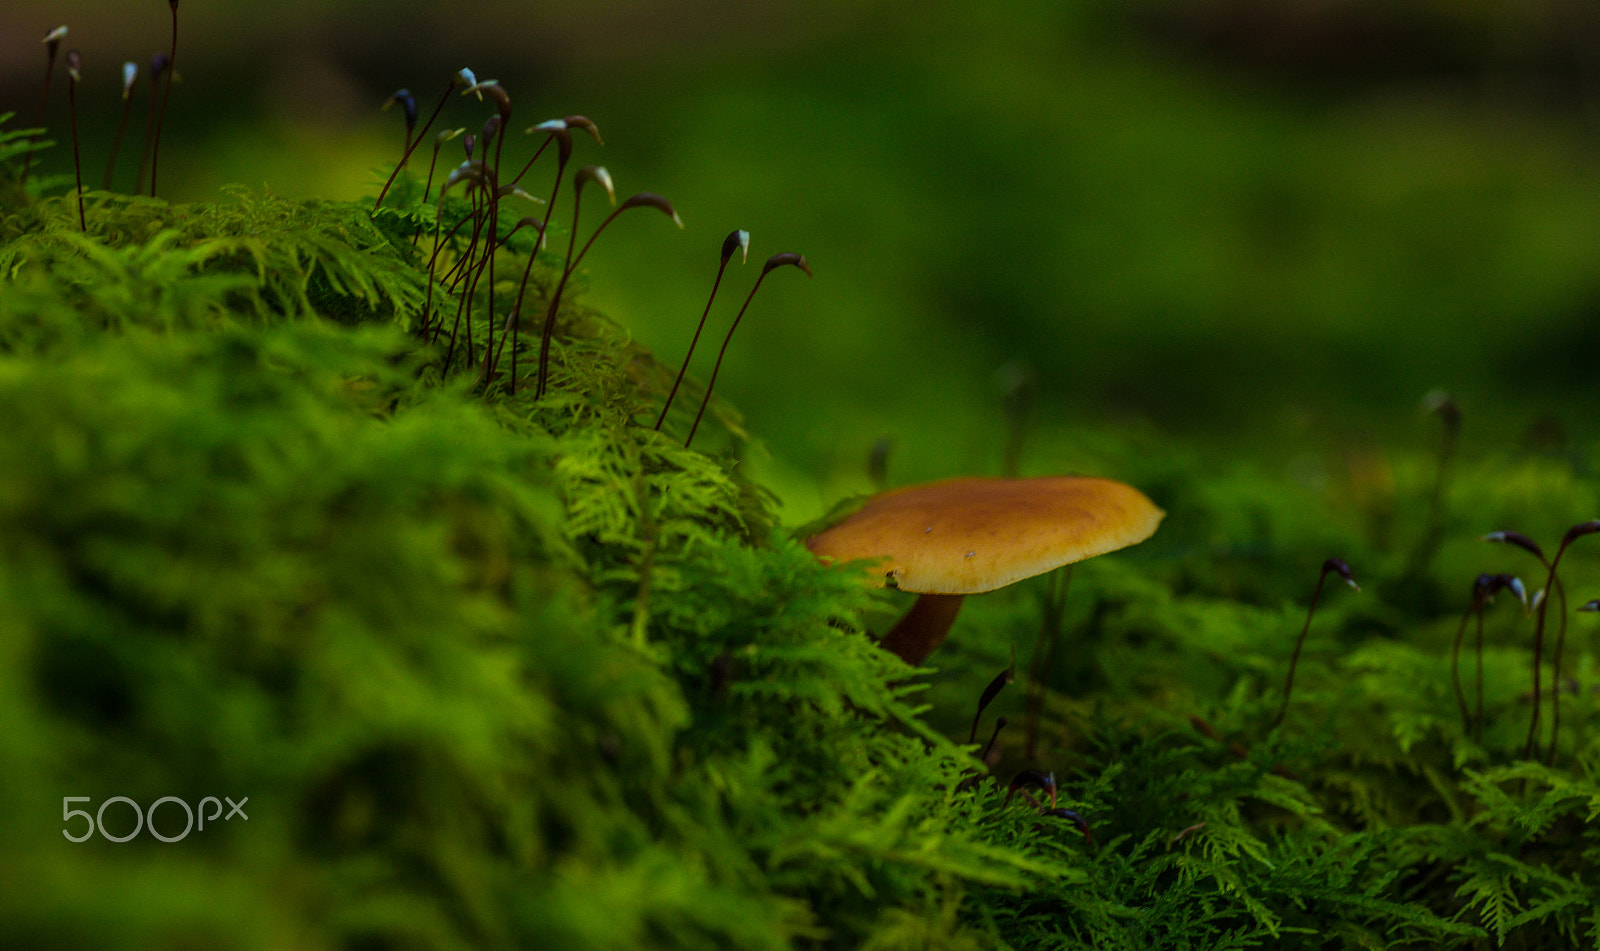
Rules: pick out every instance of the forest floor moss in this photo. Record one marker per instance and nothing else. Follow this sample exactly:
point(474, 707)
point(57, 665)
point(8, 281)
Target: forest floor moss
point(502, 671)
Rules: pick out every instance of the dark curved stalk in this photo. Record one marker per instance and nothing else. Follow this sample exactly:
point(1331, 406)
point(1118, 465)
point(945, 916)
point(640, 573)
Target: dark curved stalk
point(1573, 533)
point(408, 107)
point(1007, 676)
point(492, 199)
point(433, 258)
point(737, 239)
point(1445, 407)
point(1552, 588)
point(558, 129)
point(1555, 673)
point(640, 200)
point(491, 246)
point(433, 164)
point(989, 749)
point(1338, 567)
point(161, 119)
point(1484, 588)
point(52, 43)
point(158, 66)
point(536, 153)
point(464, 304)
point(74, 72)
point(555, 298)
point(502, 104)
point(444, 96)
point(513, 326)
point(129, 72)
point(777, 260)
point(472, 173)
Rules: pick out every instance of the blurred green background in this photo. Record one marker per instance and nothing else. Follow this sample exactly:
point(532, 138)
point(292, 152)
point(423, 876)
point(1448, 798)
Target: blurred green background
point(1257, 228)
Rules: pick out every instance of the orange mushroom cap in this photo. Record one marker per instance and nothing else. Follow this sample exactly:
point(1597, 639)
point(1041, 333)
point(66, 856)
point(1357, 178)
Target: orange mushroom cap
point(970, 535)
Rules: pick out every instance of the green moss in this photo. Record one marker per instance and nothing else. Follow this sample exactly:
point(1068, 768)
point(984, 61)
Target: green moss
point(503, 672)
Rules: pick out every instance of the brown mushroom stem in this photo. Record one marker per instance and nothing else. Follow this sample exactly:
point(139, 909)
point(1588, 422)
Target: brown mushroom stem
point(923, 628)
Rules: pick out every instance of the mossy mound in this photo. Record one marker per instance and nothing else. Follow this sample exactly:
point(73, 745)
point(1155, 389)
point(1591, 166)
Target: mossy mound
point(489, 675)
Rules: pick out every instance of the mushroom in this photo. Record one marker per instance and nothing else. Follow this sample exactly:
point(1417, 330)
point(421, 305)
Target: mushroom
point(945, 540)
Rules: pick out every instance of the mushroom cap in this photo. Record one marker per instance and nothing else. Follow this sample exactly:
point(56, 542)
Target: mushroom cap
point(970, 535)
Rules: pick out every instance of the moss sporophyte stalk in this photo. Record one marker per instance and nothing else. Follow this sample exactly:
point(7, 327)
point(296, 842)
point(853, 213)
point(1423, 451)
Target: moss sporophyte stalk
point(291, 508)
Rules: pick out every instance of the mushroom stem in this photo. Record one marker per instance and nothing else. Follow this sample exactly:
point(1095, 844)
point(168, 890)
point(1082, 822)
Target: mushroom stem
point(923, 628)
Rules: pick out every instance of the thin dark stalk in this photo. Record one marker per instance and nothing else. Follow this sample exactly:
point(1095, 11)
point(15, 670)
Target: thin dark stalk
point(496, 126)
point(433, 163)
point(563, 140)
point(427, 303)
point(1484, 588)
point(513, 327)
point(492, 353)
point(1338, 567)
point(129, 72)
point(471, 172)
point(502, 104)
point(438, 141)
point(158, 66)
point(451, 277)
point(536, 153)
point(74, 72)
point(1573, 533)
point(555, 298)
point(1477, 710)
point(470, 292)
point(444, 96)
point(489, 255)
point(777, 260)
point(989, 748)
point(1480, 589)
point(1538, 648)
point(558, 129)
point(1007, 676)
point(52, 43)
point(408, 108)
point(586, 174)
point(457, 270)
point(463, 171)
point(1555, 674)
point(433, 258)
point(161, 119)
point(563, 156)
point(737, 239)
point(1449, 413)
point(1587, 607)
point(464, 305)
point(640, 200)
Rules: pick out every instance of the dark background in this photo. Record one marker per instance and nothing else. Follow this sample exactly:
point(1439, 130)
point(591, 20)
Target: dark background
point(1258, 228)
